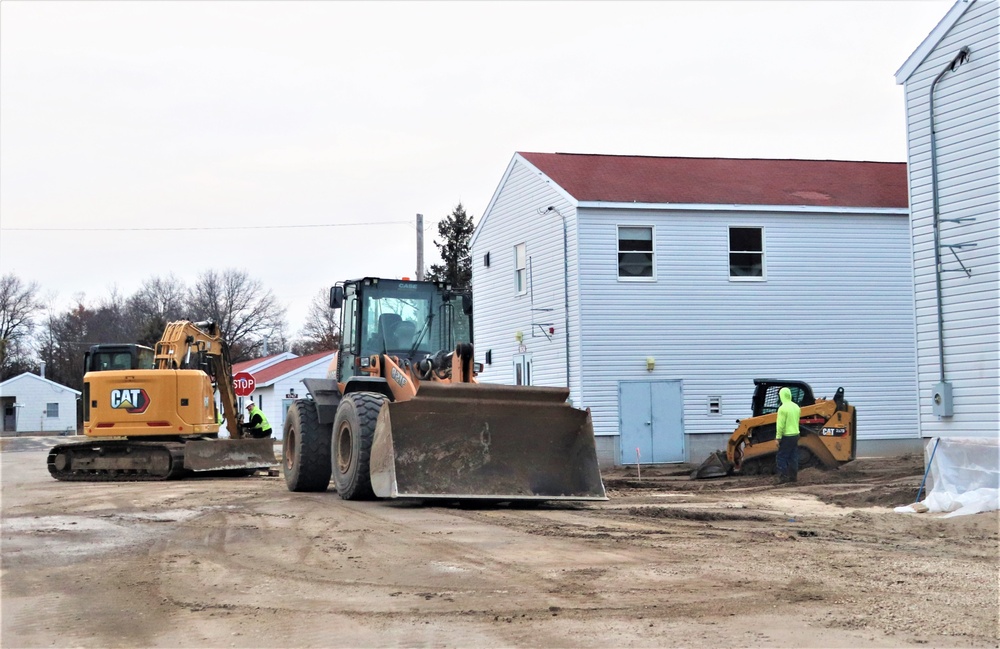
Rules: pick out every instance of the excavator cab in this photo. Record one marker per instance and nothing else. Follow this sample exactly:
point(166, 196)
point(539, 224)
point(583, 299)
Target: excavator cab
point(102, 358)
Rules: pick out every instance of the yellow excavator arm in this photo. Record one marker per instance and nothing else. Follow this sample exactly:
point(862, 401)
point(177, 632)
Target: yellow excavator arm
point(188, 345)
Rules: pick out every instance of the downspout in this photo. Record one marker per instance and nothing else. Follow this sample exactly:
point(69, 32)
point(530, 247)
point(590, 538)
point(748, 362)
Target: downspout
point(565, 288)
point(960, 58)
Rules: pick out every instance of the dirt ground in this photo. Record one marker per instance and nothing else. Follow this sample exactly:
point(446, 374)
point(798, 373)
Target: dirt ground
point(664, 562)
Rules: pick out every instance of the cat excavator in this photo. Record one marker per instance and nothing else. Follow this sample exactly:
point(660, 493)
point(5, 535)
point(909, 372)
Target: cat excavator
point(151, 414)
point(402, 414)
point(827, 433)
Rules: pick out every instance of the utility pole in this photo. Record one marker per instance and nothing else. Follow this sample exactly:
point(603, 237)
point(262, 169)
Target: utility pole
point(420, 247)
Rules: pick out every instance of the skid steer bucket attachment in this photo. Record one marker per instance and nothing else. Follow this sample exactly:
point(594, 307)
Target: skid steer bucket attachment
point(218, 454)
point(715, 466)
point(491, 442)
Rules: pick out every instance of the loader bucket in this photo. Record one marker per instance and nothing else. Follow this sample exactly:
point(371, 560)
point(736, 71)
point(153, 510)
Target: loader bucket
point(715, 466)
point(469, 441)
point(218, 454)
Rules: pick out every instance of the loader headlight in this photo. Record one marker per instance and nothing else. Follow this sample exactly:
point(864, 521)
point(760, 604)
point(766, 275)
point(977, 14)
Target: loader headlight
point(366, 362)
point(477, 368)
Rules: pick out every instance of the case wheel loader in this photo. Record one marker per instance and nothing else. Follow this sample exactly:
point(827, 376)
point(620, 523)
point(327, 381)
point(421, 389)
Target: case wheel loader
point(151, 414)
point(402, 415)
point(827, 433)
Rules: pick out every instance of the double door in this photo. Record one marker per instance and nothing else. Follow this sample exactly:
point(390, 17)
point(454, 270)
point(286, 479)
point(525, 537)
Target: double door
point(651, 421)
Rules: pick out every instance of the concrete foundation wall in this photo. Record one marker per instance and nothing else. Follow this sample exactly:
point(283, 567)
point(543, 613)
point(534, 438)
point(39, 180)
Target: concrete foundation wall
point(699, 447)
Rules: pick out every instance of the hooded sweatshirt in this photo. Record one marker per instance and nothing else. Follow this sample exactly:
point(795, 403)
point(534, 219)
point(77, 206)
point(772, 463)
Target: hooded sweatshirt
point(788, 415)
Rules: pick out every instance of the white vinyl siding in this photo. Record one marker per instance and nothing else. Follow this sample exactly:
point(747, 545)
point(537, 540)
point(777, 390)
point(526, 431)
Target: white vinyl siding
point(518, 214)
point(820, 318)
point(968, 149)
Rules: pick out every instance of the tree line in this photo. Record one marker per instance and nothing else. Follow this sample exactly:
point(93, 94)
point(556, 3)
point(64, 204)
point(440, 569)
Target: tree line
point(250, 317)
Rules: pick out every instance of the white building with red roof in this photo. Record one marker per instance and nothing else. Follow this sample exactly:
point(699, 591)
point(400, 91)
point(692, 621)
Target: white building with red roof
point(278, 380)
point(659, 288)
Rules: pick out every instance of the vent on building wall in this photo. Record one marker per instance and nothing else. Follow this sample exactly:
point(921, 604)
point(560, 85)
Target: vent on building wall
point(715, 405)
point(486, 260)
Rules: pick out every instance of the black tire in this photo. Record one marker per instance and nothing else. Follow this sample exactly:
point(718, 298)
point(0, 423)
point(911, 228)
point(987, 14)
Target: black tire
point(305, 450)
point(353, 432)
point(806, 458)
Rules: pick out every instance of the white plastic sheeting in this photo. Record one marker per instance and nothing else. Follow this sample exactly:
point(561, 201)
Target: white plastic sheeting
point(964, 476)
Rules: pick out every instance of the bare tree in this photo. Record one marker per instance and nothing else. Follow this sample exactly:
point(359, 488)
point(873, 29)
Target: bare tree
point(159, 301)
point(321, 331)
point(19, 305)
point(62, 342)
point(248, 315)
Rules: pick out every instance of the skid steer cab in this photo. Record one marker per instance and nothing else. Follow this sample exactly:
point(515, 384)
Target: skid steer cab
point(401, 413)
point(827, 433)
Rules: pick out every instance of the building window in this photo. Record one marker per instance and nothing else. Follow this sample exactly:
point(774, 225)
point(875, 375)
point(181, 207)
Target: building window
point(522, 369)
point(746, 253)
point(52, 410)
point(520, 269)
point(635, 252)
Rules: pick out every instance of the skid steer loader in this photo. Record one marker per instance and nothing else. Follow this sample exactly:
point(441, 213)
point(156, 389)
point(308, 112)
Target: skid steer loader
point(402, 415)
point(827, 433)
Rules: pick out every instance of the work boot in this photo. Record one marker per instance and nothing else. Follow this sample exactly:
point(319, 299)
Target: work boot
point(782, 479)
point(793, 476)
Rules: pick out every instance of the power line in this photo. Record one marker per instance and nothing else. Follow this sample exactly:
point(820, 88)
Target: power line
point(222, 227)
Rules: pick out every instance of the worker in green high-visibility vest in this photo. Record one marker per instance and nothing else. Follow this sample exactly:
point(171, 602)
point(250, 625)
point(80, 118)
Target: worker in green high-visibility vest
point(787, 436)
point(257, 422)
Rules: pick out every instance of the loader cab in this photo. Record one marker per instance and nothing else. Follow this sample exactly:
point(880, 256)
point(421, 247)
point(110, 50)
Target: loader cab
point(402, 318)
point(101, 358)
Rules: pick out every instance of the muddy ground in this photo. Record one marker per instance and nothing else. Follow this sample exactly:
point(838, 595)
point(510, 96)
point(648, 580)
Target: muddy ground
point(664, 562)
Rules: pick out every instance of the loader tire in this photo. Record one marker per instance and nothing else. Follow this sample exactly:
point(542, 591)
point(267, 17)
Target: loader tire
point(305, 450)
point(353, 432)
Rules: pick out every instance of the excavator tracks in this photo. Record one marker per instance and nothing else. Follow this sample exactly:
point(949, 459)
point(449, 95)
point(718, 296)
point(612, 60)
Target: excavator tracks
point(117, 461)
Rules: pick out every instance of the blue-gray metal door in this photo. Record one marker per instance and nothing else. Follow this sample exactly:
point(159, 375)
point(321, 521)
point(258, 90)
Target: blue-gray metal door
point(651, 420)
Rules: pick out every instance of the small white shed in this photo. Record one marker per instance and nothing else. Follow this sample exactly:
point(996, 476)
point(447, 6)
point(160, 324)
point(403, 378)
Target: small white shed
point(33, 404)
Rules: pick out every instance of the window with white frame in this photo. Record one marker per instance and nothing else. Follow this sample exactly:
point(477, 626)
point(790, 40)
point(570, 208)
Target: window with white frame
point(52, 410)
point(635, 252)
point(520, 269)
point(746, 253)
point(522, 369)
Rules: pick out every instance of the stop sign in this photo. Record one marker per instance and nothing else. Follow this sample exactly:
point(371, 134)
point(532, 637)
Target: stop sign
point(244, 383)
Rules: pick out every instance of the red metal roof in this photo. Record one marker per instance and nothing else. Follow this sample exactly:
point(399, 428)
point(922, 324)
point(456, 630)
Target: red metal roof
point(244, 365)
point(272, 372)
point(726, 181)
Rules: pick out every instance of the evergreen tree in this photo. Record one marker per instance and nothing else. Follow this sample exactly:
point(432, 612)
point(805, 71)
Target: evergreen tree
point(456, 231)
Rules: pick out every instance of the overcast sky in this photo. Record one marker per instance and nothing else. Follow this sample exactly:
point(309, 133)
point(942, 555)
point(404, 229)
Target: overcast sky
point(248, 123)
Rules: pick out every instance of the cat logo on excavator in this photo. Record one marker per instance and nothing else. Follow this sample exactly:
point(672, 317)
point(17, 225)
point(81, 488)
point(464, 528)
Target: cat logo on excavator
point(133, 401)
